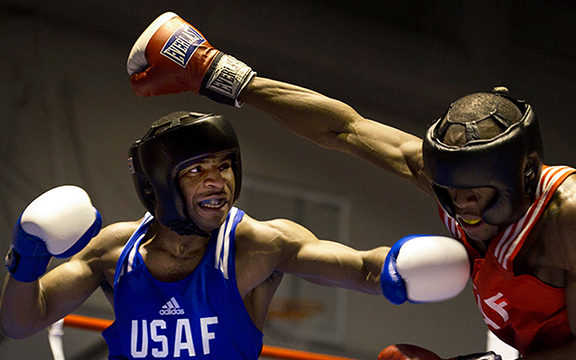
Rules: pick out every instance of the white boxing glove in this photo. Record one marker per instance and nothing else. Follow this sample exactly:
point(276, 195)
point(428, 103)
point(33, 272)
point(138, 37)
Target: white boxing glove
point(424, 268)
point(58, 223)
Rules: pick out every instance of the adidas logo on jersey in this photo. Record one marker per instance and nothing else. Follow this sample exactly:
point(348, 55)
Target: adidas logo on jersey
point(171, 308)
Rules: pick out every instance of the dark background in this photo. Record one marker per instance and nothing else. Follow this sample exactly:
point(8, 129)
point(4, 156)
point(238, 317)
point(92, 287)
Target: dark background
point(67, 115)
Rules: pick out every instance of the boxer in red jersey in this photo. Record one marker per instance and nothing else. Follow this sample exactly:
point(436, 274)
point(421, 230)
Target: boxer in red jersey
point(482, 161)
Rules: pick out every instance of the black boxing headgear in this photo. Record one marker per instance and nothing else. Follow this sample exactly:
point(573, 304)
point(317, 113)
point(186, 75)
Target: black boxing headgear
point(170, 145)
point(500, 162)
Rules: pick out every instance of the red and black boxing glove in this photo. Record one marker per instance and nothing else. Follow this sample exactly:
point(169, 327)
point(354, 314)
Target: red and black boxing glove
point(413, 352)
point(407, 352)
point(171, 56)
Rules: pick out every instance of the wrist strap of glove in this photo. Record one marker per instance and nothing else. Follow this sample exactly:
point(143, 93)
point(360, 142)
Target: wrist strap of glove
point(225, 79)
point(28, 257)
point(26, 268)
point(393, 286)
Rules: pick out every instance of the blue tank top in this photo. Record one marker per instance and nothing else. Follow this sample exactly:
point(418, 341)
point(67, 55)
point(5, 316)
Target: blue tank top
point(201, 316)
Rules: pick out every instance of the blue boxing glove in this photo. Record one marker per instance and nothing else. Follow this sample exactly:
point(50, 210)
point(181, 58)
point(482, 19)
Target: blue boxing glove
point(58, 223)
point(424, 268)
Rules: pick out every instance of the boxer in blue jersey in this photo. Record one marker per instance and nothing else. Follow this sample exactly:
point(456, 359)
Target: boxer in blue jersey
point(195, 276)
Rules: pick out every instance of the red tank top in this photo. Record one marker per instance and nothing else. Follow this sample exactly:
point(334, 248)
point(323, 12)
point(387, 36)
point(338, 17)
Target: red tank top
point(521, 310)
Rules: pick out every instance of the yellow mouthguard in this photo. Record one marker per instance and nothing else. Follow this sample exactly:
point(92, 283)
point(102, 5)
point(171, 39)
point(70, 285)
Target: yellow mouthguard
point(472, 221)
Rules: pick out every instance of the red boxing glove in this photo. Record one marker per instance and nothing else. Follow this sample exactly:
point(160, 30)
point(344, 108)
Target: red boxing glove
point(413, 352)
point(171, 56)
point(407, 352)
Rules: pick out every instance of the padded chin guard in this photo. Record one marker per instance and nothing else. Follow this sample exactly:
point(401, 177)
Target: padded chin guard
point(167, 148)
point(500, 163)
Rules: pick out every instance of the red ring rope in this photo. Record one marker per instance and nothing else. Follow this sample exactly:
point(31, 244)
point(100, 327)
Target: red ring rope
point(90, 323)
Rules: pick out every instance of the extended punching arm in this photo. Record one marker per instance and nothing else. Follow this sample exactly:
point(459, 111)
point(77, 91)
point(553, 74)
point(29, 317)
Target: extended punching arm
point(171, 56)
